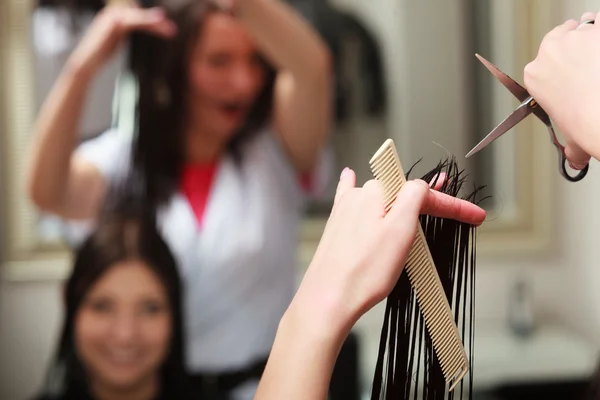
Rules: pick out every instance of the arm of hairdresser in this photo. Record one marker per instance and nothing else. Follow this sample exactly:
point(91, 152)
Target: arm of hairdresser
point(302, 99)
point(565, 79)
point(357, 263)
point(58, 181)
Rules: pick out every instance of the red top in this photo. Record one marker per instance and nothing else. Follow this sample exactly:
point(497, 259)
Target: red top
point(197, 181)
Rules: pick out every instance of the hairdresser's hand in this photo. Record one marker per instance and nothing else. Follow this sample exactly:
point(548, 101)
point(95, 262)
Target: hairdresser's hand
point(357, 264)
point(111, 26)
point(229, 6)
point(565, 79)
point(362, 251)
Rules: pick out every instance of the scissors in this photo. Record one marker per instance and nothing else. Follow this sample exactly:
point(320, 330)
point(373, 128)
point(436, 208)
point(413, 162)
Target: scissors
point(528, 105)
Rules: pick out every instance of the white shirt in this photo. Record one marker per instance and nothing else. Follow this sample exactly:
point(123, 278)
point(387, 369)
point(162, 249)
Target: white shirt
point(239, 269)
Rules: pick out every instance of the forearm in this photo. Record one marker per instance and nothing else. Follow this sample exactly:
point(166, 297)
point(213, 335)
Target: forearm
point(302, 359)
point(287, 40)
point(55, 137)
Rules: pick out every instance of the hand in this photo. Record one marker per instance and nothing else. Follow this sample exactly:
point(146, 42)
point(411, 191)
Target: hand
point(227, 6)
point(565, 79)
point(362, 252)
point(111, 26)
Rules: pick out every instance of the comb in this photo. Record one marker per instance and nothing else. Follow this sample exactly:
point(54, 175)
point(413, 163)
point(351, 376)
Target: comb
point(423, 277)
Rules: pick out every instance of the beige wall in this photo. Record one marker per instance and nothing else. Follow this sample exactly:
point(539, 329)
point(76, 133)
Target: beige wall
point(30, 314)
point(566, 285)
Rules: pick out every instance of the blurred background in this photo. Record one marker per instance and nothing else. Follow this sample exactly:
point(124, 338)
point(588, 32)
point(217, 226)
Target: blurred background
point(405, 69)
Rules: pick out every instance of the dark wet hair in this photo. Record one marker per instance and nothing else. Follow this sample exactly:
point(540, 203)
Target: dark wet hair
point(124, 232)
point(160, 67)
point(407, 366)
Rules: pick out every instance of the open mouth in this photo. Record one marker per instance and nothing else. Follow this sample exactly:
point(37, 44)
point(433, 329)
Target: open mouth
point(234, 110)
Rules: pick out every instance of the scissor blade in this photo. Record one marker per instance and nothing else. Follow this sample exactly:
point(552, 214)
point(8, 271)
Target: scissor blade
point(513, 119)
point(517, 90)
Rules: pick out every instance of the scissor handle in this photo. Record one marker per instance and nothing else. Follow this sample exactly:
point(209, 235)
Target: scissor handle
point(562, 160)
point(562, 157)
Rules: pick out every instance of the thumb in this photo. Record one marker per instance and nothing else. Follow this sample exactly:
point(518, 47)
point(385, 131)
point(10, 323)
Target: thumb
point(347, 181)
point(409, 202)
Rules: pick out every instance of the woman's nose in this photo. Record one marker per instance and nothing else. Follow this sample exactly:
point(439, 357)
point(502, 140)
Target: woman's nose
point(125, 328)
point(244, 78)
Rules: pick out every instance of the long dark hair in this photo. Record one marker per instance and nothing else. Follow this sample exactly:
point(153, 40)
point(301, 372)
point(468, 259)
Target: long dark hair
point(407, 366)
point(161, 69)
point(126, 230)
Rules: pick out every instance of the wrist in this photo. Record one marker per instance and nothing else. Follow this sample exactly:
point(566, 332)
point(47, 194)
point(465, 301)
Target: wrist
point(79, 70)
point(307, 344)
point(322, 310)
point(313, 329)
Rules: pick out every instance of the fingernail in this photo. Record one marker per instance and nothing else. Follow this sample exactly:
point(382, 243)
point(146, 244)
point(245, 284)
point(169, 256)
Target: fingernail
point(344, 173)
point(440, 179)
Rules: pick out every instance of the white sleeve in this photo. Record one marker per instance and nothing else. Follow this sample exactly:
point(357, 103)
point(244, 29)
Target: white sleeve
point(269, 148)
point(110, 153)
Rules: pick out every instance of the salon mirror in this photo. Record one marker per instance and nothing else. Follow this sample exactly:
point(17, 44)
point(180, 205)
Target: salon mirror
point(405, 70)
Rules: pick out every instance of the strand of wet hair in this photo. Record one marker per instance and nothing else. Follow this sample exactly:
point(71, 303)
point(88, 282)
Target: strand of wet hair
point(407, 366)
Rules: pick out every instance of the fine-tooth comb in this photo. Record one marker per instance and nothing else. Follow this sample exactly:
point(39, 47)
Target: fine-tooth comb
point(423, 276)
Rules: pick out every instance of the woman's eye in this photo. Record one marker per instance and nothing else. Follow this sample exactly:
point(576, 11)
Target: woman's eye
point(152, 308)
point(101, 306)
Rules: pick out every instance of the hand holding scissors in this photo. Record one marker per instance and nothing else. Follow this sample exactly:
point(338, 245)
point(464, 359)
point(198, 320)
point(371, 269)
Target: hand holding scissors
point(528, 105)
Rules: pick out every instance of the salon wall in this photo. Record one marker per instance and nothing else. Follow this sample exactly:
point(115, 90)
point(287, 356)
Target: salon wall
point(566, 280)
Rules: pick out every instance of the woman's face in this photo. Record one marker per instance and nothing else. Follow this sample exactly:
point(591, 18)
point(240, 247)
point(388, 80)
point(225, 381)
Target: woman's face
point(123, 326)
point(226, 76)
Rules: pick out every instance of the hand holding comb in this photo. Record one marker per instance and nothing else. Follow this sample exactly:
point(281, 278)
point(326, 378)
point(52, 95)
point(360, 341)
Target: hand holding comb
point(423, 276)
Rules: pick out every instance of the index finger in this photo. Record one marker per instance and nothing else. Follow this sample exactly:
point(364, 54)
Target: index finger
point(443, 205)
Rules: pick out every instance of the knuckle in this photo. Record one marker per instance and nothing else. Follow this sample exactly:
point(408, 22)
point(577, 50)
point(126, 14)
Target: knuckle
point(572, 22)
point(373, 184)
point(373, 187)
point(415, 187)
point(529, 72)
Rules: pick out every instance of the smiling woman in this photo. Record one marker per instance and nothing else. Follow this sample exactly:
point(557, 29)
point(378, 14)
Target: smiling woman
point(122, 333)
point(230, 140)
